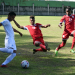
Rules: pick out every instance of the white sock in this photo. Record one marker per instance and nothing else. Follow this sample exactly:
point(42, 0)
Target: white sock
point(9, 58)
point(6, 50)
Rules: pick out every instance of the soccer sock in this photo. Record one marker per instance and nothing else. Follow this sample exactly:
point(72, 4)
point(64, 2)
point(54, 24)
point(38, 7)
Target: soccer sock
point(6, 50)
point(43, 46)
point(39, 49)
point(9, 58)
point(74, 37)
point(73, 41)
point(60, 46)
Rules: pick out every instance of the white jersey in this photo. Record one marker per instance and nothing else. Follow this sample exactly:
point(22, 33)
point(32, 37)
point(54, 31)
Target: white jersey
point(8, 28)
point(9, 39)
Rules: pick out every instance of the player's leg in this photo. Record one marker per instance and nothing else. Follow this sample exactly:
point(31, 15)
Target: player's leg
point(12, 51)
point(73, 41)
point(43, 45)
point(8, 46)
point(40, 42)
point(6, 50)
point(65, 36)
point(9, 58)
point(72, 46)
point(37, 44)
point(35, 50)
point(46, 44)
point(60, 46)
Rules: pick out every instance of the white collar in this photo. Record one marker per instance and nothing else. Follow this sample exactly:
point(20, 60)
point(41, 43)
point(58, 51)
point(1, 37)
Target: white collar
point(33, 25)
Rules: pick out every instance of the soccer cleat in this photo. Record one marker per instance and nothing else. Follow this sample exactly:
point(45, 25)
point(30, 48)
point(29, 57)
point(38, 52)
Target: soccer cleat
point(3, 66)
point(34, 51)
point(46, 44)
point(48, 49)
point(56, 52)
point(72, 51)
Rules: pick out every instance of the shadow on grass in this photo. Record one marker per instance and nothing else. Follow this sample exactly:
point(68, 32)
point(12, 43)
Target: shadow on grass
point(45, 60)
point(2, 30)
point(41, 63)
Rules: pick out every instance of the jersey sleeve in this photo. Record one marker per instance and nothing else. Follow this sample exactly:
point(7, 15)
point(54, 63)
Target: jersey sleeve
point(62, 19)
point(4, 23)
point(25, 28)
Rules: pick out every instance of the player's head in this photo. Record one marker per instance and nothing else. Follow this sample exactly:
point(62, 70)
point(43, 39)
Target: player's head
point(68, 10)
point(11, 16)
point(32, 20)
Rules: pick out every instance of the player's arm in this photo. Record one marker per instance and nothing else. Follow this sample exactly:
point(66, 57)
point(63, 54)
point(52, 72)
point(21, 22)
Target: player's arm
point(21, 27)
point(17, 31)
point(45, 26)
point(61, 21)
point(60, 25)
point(0, 24)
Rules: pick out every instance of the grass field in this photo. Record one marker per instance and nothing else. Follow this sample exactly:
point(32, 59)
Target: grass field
point(41, 63)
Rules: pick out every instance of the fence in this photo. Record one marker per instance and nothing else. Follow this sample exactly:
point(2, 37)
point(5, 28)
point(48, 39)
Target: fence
point(22, 7)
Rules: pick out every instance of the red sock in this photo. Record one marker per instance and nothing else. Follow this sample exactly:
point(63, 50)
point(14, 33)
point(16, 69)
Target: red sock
point(43, 46)
point(74, 37)
point(73, 43)
point(61, 45)
point(39, 49)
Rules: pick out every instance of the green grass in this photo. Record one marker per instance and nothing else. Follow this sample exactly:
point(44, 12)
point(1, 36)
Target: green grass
point(41, 63)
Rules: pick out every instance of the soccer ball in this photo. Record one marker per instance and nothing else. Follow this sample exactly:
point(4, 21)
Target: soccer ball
point(24, 64)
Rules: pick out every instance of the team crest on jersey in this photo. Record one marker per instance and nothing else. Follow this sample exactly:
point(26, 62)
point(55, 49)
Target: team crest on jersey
point(33, 27)
point(70, 19)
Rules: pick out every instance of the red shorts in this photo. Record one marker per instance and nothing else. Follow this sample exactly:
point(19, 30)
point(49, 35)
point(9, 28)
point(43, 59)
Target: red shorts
point(40, 40)
point(66, 34)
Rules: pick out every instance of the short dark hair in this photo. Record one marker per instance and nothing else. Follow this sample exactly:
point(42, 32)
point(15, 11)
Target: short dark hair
point(12, 13)
point(69, 8)
point(32, 17)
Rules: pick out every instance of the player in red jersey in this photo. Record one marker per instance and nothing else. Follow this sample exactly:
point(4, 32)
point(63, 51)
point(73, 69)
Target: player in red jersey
point(69, 29)
point(36, 34)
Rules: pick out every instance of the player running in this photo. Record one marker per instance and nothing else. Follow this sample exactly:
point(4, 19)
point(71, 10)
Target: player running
point(69, 29)
point(10, 46)
point(35, 32)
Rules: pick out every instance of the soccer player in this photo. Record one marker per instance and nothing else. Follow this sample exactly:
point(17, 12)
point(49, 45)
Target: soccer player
point(69, 29)
point(10, 46)
point(35, 32)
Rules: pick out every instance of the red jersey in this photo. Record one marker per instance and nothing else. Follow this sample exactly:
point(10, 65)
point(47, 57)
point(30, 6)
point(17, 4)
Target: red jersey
point(35, 31)
point(69, 22)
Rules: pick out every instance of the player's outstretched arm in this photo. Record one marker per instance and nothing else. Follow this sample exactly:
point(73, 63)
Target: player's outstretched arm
point(17, 31)
point(0, 24)
point(21, 27)
point(45, 26)
point(60, 25)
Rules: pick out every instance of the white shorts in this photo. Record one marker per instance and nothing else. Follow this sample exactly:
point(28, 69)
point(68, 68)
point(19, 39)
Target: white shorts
point(10, 43)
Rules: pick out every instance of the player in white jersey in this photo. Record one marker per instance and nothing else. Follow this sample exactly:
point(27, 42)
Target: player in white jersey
point(10, 46)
